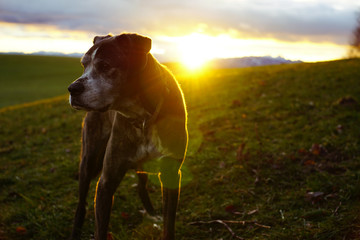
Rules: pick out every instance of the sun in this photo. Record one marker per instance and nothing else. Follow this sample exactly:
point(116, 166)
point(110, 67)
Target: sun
point(195, 50)
point(193, 61)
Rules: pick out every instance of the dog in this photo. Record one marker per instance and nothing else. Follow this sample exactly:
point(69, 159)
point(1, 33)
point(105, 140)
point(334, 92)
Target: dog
point(136, 119)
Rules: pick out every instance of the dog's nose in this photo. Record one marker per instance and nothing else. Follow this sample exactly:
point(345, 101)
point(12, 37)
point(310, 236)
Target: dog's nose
point(76, 88)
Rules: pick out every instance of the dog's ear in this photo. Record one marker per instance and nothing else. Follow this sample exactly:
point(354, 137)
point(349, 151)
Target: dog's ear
point(136, 42)
point(141, 43)
point(136, 49)
point(98, 39)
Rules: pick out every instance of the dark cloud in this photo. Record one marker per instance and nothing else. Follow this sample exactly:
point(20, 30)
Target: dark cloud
point(282, 19)
point(317, 23)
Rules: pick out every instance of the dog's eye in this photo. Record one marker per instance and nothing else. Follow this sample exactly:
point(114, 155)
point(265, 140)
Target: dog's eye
point(84, 63)
point(103, 66)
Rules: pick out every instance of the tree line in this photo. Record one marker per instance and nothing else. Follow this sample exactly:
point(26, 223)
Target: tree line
point(354, 50)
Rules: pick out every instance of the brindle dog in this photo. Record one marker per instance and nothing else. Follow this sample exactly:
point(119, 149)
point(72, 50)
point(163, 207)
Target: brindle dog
point(136, 119)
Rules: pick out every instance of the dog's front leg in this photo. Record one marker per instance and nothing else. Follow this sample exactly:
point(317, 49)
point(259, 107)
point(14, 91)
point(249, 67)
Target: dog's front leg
point(105, 190)
point(113, 172)
point(95, 134)
point(114, 168)
point(170, 182)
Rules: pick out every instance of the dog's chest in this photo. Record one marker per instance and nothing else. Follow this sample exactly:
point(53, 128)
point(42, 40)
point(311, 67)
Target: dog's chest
point(149, 146)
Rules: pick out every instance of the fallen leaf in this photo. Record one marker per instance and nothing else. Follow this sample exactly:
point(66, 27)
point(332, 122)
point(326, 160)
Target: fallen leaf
point(209, 135)
point(230, 208)
point(236, 103)
point(240, 155)
point(346, 101)
point(223, 148)
point(339, 128)
point(109, 236)
point(276, 166)
point(222, 164)
point(314, 196)
point(309, 163)
point(331, 195)
point(21, 230)
point(302, 151)
point(125, 215)
point(252, 212)
point(6, 149)
point(317, 149)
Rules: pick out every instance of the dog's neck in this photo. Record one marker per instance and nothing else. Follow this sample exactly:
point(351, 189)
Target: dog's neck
point(146, 105)
point(153, 84)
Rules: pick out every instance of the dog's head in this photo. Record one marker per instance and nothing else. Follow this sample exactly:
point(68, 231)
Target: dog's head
point(109, 69)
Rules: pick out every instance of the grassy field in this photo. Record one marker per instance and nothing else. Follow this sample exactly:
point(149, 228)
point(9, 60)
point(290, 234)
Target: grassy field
point(274, 154)
point(29, 78)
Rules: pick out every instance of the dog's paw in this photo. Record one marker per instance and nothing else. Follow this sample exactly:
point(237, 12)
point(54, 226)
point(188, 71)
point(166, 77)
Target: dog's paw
point(152, 218)
point(155, 219)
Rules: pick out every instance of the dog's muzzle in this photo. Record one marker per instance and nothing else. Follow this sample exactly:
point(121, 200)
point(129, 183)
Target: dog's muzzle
point(76, 88)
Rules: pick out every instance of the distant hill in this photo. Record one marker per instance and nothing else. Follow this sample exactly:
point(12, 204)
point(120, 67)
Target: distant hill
point(45, 53)
point(215, 63)
point(248, 62)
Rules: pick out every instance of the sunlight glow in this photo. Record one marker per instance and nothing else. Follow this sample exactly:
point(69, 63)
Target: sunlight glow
point(192, 50)
point(29, 38)
point(195, 50)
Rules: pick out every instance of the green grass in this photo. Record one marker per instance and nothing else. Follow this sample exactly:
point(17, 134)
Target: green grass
point(250, 160)
point(28, 78)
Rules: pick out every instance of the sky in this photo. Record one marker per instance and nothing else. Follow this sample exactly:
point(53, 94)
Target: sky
point(308, 30)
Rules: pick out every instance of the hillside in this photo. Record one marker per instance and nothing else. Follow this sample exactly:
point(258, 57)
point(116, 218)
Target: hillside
point(26, 78)
point(274, 154)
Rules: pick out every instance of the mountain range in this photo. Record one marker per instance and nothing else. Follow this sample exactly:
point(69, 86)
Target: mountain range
point(248, 62)
point(215, 63)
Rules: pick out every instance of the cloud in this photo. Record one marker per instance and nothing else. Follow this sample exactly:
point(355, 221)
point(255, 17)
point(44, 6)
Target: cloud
point(89, 15)
point(288, 20)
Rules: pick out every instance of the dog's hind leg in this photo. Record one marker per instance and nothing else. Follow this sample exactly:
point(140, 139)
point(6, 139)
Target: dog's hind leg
point(170, 178)
point(143, 193)
point(96, 131)
point(170, 201)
